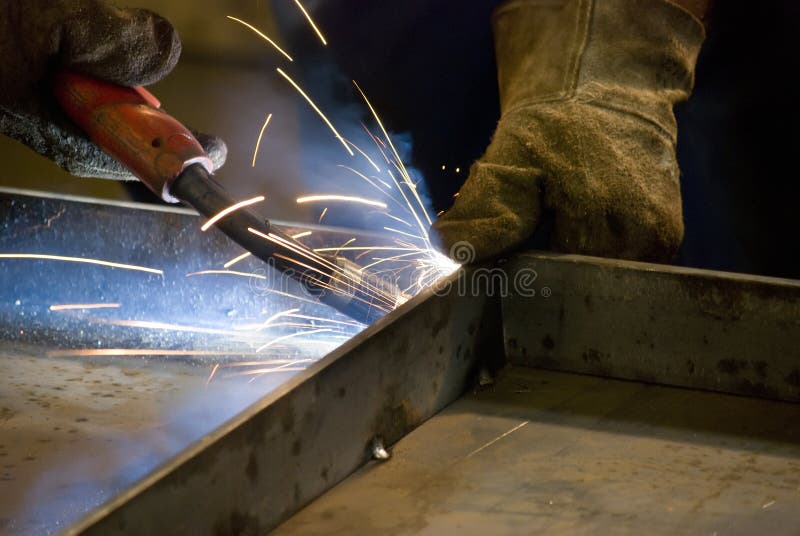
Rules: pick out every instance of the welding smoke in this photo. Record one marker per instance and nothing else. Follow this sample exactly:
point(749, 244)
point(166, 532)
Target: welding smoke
point(428, 67)
point(322, 160)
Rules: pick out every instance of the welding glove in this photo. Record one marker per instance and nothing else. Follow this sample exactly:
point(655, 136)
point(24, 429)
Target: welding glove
point(587, 135)
point(125, 46)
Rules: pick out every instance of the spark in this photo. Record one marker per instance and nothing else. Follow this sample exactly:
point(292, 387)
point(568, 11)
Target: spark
point(233, 208)
point(381, 190)
point(403, 233)
point(78, 306)
point(316, 109)
point(376, 139)
point(240, 258)
point(400, 220)
point(311, 255)
point(345, 198)
point(258, 141)
point(37, 256)
point(227, 272)
point(359, 174)
point(291, 336)
point(213, 371)
point(405, 198)
point(401, 242)
point(260, 372)
point(302, 235)
point(147, 324)
point(276, 316)
point(388, 259)
point(374, 292)
point(331, 320)
point(357, 148)
point(314, 257)
point(367, 248)
point(388, 186)
point(262, 35)
point(311, 22)
point(296, 248)
point(325, 211)
point(413, 188)
point(347, 243)
point(260, 363)
point(312, 268)
point(258, 327)
point(394, 150)
point(48, 223)
point(378, 143)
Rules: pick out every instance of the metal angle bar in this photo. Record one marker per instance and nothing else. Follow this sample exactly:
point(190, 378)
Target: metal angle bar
point(685, 327)
point(303, 438)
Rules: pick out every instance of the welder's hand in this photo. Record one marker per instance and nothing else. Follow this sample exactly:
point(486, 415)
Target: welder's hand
point(125, 46)
point(587, 135)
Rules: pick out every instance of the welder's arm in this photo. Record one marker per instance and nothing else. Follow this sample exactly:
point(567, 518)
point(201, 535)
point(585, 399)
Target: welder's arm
point(587, 134)
point(38, 37)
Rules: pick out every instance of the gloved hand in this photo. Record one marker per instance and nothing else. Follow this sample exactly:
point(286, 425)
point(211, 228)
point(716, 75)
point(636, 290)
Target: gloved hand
point(587, 133)
point(126, 46)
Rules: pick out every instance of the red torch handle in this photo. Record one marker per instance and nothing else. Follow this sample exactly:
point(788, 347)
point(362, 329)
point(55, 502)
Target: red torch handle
point(127, 124)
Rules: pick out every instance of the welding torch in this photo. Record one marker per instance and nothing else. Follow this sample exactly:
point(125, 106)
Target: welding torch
point(129, 125)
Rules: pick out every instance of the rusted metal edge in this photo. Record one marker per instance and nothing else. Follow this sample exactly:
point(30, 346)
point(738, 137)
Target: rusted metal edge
point(303, 438)
point(684, 327)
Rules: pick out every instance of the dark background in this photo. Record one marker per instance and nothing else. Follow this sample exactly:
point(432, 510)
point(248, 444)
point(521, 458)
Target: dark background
point(429, 67)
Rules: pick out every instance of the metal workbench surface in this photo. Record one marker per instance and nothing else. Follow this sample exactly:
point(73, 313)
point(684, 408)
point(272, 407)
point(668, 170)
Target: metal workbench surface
point(549, 452)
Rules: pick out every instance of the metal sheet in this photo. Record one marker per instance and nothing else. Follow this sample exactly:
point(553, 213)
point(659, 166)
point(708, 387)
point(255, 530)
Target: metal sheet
point(76, 432)
point(161, 238)
point(314, 430)
point(552, 453)
point(94, 400)
point(678, 326)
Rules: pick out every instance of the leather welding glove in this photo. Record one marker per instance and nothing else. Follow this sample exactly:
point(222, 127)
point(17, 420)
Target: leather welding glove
point(125, 46)
point(587, 135)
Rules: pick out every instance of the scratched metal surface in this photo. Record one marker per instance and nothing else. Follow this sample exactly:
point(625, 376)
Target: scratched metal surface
point(735, 333)
point(77, 430)
point(553, 453)
point(74, 433)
